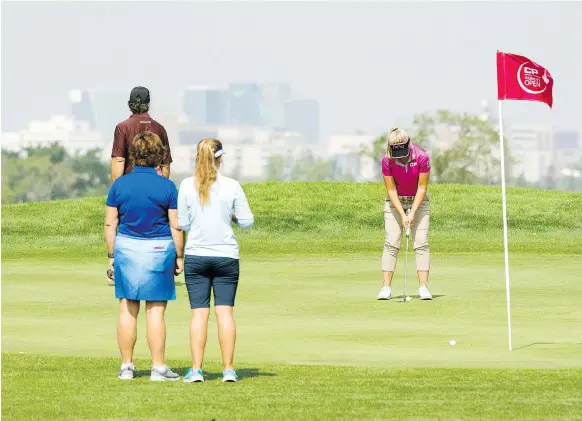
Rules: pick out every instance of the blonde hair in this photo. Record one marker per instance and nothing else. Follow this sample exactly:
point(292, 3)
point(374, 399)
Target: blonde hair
point(396, 137)
point(206, 167)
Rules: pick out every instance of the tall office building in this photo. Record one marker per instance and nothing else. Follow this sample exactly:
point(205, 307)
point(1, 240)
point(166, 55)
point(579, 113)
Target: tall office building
point(272, 105)
point(217, 107)
point(302, 116)
point(245, 104)
point(110, 108)
point(82, 108)
point(567, 151)
point(192, 137)
point(204, 106)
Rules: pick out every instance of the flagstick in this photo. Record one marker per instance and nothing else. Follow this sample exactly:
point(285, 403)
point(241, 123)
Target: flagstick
point(504, 204)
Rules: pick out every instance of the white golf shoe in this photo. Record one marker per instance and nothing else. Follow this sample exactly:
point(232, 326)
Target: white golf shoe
point(424, 293)
point(385, 293)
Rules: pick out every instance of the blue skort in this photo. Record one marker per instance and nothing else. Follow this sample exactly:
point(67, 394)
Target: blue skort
point(144, 269)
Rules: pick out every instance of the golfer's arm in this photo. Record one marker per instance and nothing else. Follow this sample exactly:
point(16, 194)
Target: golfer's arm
point(421, 191)
point(392, 193)
point(166, 171)
point(111, 222)
point(117, 168)
point(177, 233)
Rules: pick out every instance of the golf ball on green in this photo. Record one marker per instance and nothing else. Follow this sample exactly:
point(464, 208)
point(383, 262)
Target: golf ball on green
point(408, 298)
point(452, 342)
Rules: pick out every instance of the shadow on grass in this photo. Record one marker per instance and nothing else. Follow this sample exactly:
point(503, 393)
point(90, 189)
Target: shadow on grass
point(242, 373)
point(416, 297)
point(549, 343)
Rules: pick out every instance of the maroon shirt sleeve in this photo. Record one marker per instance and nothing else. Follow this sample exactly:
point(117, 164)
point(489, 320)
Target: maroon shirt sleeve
point(165, 141)
point(119, 149)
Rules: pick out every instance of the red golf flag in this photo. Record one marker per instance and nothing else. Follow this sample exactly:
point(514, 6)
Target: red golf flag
point(522, 79)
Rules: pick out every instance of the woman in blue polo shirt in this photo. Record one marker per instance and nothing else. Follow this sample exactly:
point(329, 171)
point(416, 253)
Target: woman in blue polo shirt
point(145, 249)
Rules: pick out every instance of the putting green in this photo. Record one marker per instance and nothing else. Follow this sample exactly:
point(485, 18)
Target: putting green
point(322, 311)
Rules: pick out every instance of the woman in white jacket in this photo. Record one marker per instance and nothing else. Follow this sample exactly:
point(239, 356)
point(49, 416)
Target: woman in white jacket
point(208, 204)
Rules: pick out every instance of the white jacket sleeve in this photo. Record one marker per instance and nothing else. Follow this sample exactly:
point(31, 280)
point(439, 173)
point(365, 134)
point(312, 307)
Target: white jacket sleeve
point(183, 207)
point(242, 211)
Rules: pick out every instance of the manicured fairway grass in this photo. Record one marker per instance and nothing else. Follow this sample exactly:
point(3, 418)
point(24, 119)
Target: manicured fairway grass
point(313, 343)
point(66, 388)
point(322, 311)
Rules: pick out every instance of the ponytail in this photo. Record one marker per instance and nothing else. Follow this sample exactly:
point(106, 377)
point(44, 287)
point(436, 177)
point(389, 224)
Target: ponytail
point(206, 167)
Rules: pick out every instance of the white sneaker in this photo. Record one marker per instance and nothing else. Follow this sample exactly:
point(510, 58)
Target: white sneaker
point(424, 293)
point(163, 374)
point(126, 372)
point(385, 293)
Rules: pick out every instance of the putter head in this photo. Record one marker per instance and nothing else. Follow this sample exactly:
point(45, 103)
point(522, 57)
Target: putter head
point(111, 277)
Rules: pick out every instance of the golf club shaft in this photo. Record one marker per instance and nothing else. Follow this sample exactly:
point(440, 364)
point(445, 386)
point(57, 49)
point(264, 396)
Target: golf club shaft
point(406, 256)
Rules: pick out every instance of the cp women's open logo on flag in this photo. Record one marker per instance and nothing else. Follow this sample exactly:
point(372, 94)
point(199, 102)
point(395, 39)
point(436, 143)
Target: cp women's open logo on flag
point(520, 78)
point(532, 78)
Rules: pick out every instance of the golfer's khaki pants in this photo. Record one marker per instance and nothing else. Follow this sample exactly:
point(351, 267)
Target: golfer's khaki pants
point(418, 234)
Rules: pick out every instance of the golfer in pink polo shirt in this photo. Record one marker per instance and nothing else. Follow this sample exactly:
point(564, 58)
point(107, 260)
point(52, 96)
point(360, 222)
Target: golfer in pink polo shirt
point(406, 169)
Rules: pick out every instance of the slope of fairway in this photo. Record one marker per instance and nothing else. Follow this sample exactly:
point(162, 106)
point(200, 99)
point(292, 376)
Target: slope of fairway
point(324, 218)
point(313, 343)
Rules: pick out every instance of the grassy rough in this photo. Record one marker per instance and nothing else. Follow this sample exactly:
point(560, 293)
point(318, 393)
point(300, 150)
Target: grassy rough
point(326, 218)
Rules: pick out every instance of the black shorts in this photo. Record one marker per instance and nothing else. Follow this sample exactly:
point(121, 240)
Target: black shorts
point(203, 273)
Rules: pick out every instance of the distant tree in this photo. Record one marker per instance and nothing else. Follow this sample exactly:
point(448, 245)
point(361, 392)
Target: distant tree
point(306, 167)
point(49, 173)
point(548, 181)
point(54, 151)
point(376, 150)
point(276, 168)
point(521, 181)
point(468, 157)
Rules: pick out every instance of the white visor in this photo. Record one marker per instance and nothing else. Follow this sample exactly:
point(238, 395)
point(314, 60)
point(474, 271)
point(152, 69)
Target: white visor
point(219, 153)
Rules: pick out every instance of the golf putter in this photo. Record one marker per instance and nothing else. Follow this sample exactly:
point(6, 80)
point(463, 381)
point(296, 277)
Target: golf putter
point(406, 260)
point(111, 276)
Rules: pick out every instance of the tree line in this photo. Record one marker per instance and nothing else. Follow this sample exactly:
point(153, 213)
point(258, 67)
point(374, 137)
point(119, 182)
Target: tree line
point(50, 173)
point(469, 155)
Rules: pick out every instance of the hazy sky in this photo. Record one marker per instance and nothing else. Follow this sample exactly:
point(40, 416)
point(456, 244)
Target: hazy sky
point(368, 64)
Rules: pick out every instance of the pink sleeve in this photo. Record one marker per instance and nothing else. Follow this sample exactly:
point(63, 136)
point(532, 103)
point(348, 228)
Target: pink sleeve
point(424, 164)
point(386, 168)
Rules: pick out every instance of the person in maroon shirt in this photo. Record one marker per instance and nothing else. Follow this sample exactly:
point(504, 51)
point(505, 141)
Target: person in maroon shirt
point(125, 132)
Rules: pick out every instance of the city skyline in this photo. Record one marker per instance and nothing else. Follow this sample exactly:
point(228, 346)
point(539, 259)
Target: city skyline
point(346, 62)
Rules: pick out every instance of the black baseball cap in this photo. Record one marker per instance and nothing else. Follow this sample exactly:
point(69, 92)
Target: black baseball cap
point(139, 95)
point(400, 150)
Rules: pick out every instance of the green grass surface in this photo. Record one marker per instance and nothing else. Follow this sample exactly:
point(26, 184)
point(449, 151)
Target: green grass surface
point(313, 343)
point(331, 218)
point(322, 311)
point(83, 389)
